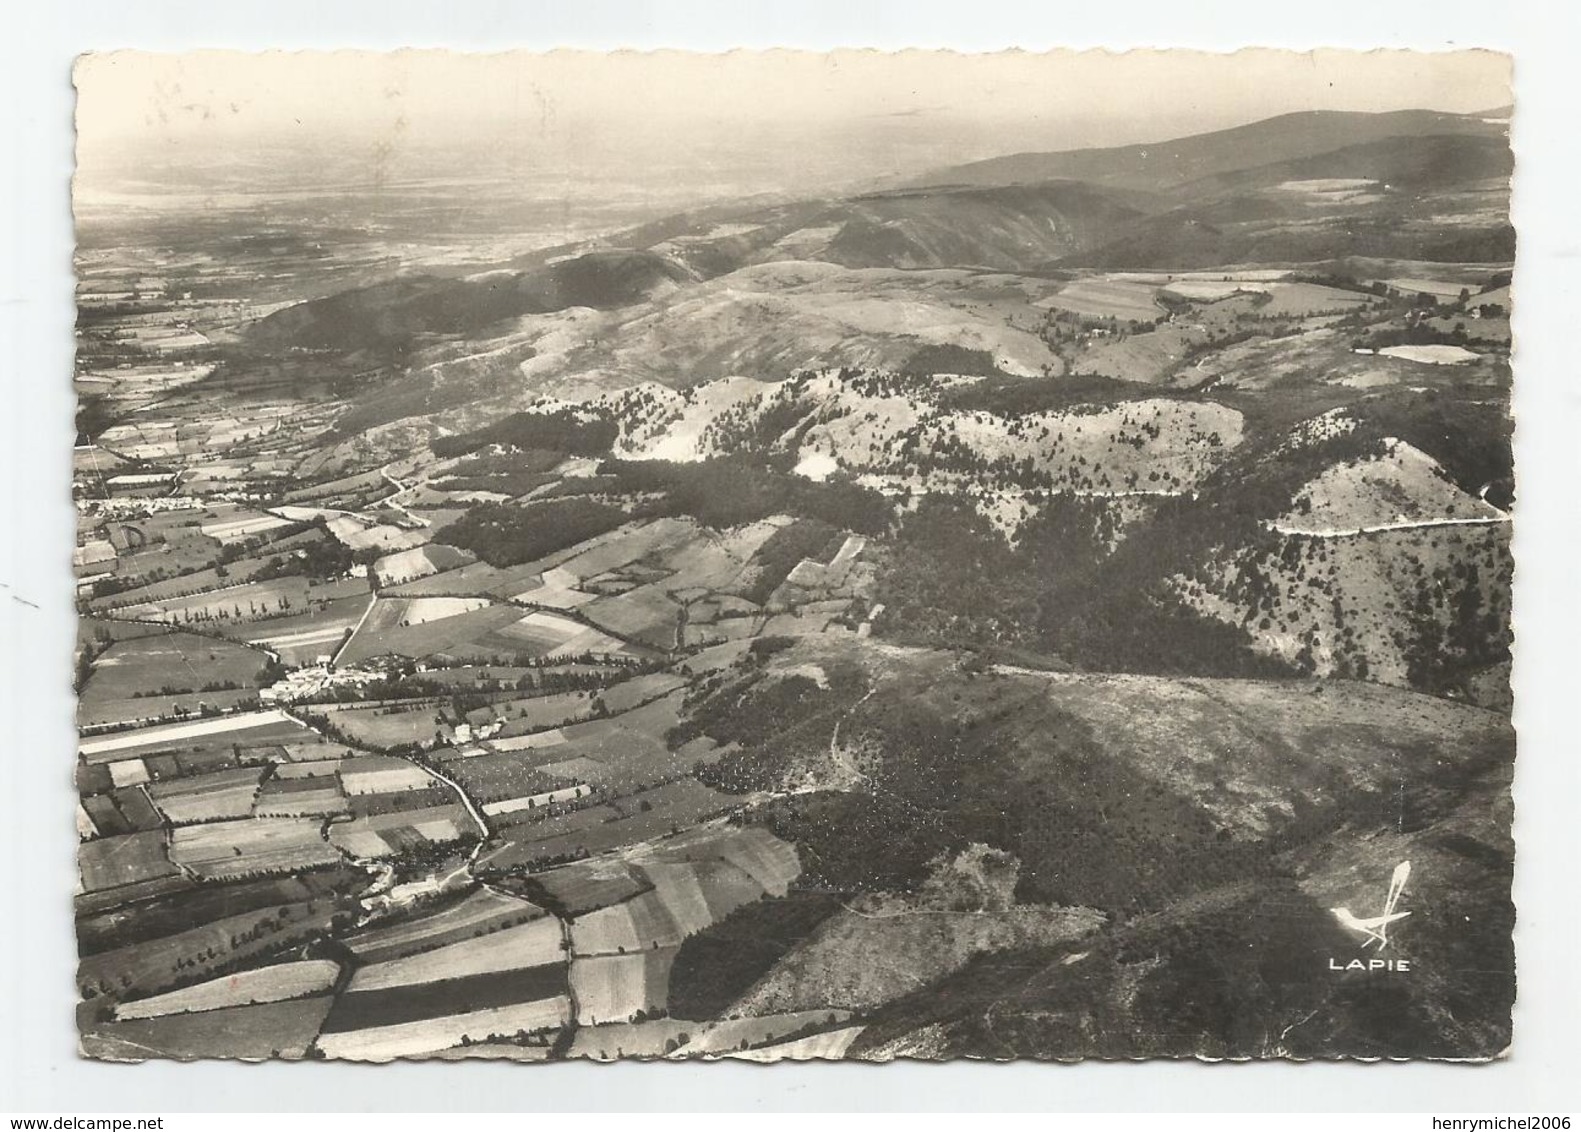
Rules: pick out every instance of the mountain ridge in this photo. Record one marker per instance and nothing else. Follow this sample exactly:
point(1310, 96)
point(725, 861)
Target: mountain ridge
point(1176, 161)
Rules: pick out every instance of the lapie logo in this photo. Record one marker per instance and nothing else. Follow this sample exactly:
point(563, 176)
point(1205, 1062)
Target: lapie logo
point(1375, 929)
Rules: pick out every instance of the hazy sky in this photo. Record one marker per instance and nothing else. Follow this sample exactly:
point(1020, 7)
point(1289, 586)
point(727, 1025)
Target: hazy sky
point(759, 121)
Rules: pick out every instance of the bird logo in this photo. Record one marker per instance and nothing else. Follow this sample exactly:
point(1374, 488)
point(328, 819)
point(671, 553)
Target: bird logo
point(1376, 928)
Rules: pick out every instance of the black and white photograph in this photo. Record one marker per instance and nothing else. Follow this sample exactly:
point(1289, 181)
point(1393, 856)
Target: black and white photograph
point(793, 556)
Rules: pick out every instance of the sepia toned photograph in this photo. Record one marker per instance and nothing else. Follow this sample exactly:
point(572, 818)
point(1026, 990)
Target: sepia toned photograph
point(791, 556)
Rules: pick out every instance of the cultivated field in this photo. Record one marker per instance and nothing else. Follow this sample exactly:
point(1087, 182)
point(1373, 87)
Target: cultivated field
point(479, 914)
point(250, 730)
point(279, 983)
point(199, 952)
point(208, 797)
point(432, 1035)
point(381, 727)
point(221, 849)
point(1098, 297)
point(614, 988)
point(249, 1033)
point(533, 944)
point(393, 834)
point(1005, 612)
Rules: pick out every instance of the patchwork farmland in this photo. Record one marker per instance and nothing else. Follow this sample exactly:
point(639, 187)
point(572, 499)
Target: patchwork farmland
point(1007, 612)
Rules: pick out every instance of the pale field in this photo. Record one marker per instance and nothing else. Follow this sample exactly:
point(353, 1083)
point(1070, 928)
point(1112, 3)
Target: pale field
point(532, 944)
point(714, 560)
point(728, 1036)
point(1439, 288)
point(680, 890)
point(551, 738)
point(542, 630)
point(422, 610)
point(363, 837)
point(326, 768)
point(534, 801)
point(379, 774)
point(613, 988)
point(403, 566)
point(207, 797)
point(265, 984)
point(1302, 300)
point(771, 864)
point(1433, 355)
point(557, 590)
point(414, 1039)
point(243, 527)
point(1213, 289)
point(620, 548)
point(251, 845)
point(1234, 274)
point(1325, 184)
point(698, 895)
point(107, 748)
point(423, 561)
point(481, 910)
point(1099, 297)
point(580, 768)
point(831, 1045)
point(635, 925)
point(129, 772)
point(358, 535)
point(617, 1040)
point(473, 634)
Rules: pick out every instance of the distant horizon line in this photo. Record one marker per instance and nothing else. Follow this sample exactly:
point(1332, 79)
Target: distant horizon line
point(277, 138)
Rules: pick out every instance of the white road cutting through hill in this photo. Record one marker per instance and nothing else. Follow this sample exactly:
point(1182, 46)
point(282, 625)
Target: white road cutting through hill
point(1402, 525)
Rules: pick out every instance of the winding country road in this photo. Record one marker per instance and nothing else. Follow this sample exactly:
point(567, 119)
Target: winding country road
point(472, 808)
point(1401, 525)
point(837, 752)
point(400, 489)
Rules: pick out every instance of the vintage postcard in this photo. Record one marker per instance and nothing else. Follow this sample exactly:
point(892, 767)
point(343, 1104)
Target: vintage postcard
point(793, 556)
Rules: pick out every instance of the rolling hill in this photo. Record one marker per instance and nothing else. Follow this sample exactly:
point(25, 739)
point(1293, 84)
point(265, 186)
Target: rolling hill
point(756, 288)
point(1028, 612)
point(391, 317)
point(1212, 822)
point(1014, 227)
point(1433, 162)
point(1165, 165)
